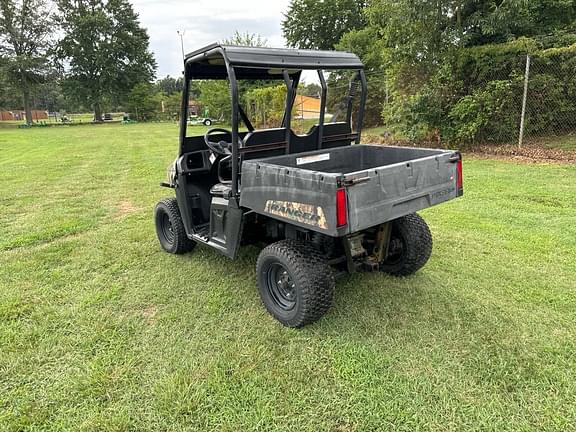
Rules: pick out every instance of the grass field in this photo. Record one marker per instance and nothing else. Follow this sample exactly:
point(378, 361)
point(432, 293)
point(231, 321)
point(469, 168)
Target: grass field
point(102, 331)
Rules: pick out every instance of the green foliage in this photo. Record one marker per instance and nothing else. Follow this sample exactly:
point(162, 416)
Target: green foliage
point(144, 102)
point(169, 85)
point(366, 44)
point(106, 50)
point(312, 90)
point(172, 105)
point(266, 105)
point(215, 96)
point(245, 39)
point(26, 35)
point(490, 113)
point(316, 24)
point(441, 69)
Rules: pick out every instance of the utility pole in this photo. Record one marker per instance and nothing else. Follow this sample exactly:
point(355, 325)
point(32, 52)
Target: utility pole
point(181, 34)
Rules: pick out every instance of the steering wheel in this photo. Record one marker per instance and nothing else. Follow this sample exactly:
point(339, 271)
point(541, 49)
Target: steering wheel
point(220, 147)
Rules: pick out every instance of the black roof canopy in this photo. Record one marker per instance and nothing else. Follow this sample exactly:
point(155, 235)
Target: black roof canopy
point(263, 63)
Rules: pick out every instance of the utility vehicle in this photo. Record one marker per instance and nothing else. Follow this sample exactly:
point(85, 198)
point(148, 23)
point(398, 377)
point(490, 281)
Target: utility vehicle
point(319, 204)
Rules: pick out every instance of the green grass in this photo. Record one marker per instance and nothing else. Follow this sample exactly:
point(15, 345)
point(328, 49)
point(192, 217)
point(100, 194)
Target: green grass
point(102, 331)
point(74, 119)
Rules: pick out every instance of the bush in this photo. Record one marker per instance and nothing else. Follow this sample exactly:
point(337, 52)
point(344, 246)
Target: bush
point(144, 102)
point(477, 97)
point(488, 114)
point(266, 105)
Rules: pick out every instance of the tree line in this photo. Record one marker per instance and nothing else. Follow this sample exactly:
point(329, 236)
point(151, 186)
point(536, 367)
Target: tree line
point(93, 55)
point(447, 69)
point(86, 54)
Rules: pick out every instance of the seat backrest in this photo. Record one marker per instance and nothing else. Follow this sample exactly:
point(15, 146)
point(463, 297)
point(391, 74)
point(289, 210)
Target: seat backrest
point(264, 137)
point(336, 135)
point(304, 143)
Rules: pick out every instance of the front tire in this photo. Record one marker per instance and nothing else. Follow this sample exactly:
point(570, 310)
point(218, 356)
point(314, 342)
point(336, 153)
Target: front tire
point(207, 122)
point(295, 283)
point(410, 246)
point(170, 228)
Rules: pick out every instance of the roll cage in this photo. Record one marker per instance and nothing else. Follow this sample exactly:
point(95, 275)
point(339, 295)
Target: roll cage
point(235, 63)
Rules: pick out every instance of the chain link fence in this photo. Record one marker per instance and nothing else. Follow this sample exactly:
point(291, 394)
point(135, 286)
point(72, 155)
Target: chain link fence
point(517, 99)
point(548, 101)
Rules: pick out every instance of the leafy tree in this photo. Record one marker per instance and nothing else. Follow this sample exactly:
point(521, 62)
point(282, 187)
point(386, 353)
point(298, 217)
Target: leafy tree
point(246, 39)
point(144, 102)
point(423, 56)
point(312, 90)
point(214, 95)
point(169, 85)
point(26, 29)
point(106, 50)
point(266, 105)
point(172, 105)
point(313, 24)
point(9, 97)
point(496, 21)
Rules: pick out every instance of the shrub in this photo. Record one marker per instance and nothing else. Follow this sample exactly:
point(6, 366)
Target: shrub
point(488, 114)
point(266, 105)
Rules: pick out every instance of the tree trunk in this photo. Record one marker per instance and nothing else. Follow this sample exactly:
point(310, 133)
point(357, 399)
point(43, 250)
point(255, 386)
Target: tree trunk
point(26, 100)
point(97, 112)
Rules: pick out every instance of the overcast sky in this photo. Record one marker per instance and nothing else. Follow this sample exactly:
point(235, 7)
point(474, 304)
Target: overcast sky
point(204, 22)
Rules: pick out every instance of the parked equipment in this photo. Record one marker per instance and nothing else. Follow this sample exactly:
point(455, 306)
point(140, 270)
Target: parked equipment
point(320, 204)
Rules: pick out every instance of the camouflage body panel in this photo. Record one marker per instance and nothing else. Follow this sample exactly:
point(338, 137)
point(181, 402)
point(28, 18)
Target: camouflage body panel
point(308, 214)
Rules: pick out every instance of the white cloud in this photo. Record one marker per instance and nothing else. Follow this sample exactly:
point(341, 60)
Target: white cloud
point(204, 22)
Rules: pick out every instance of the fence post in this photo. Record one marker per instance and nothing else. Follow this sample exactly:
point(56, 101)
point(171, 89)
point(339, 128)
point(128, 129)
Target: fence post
point(523, 117)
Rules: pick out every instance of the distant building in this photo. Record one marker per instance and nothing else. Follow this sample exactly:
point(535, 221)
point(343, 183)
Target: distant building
point(39, 115)
point(6, 115)
point(21, 115)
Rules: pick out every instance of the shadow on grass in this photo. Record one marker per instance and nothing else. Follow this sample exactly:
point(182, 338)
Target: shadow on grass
point(368, 305)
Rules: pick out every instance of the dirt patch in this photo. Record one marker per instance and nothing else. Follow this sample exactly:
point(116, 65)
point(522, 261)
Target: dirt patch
point(530, 153)
point(149, 314)
point(126, 208)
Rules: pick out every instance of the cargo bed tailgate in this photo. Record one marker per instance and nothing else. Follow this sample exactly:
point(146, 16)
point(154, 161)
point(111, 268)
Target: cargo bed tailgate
point(385, 193)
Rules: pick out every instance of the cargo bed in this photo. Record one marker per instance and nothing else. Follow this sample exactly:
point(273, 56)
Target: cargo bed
point(381, 183)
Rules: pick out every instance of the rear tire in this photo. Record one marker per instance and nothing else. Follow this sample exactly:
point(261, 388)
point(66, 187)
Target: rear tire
point(295, 283)
point(410, 246)
point(207, 122)
point(170, 229)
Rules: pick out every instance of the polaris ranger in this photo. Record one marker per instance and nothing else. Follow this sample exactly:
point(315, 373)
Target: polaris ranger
point(319, 203)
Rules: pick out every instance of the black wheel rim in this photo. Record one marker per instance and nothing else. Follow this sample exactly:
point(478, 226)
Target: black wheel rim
point(281, 287)
point(166, 226)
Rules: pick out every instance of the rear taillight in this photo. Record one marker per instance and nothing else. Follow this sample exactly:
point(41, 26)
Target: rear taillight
point(341, 209)
point(459, 180)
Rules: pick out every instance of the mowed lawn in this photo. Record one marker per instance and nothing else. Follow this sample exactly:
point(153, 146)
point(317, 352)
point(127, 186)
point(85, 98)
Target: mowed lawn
point(102, 331)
